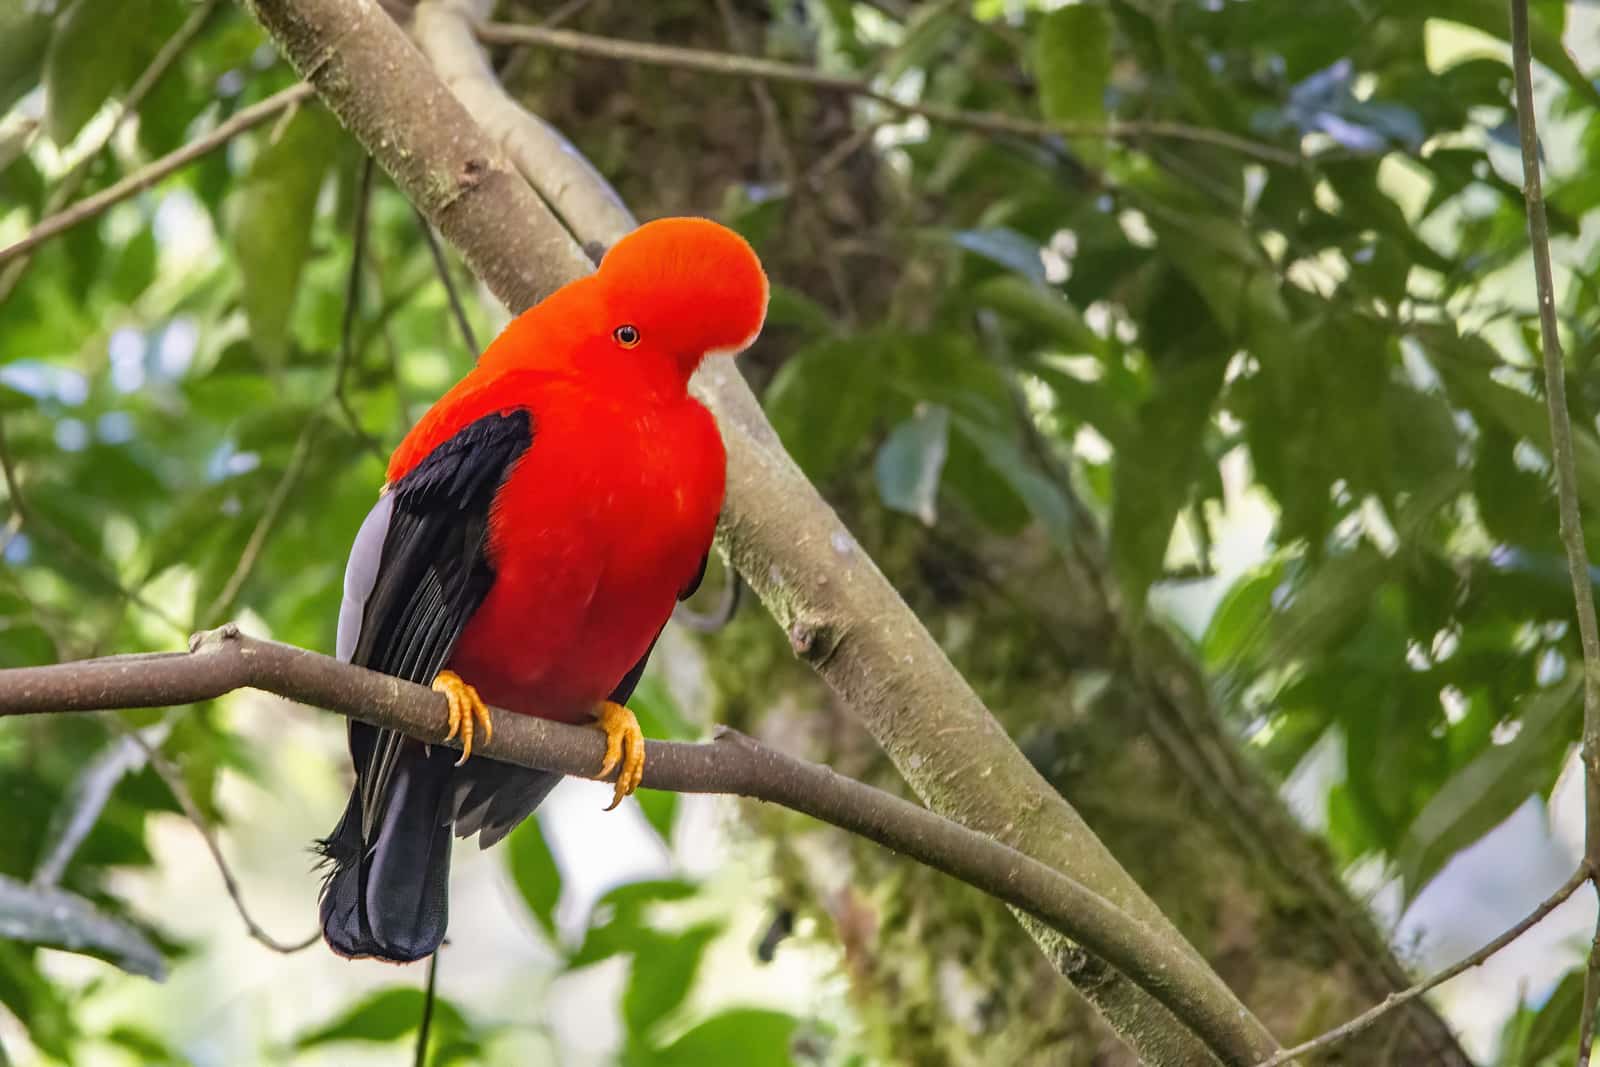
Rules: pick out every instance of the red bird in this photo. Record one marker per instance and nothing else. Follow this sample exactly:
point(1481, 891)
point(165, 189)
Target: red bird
point(536, 529)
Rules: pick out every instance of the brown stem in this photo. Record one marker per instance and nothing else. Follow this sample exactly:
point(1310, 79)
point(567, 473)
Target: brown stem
point(223, 660)
point(146, 176)
point(173, 778)
point(1555, 391)
point(1395, 1000)
point(737, 66)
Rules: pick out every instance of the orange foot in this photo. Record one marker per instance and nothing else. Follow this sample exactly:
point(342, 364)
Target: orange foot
point(624, 742)
point(467, 711)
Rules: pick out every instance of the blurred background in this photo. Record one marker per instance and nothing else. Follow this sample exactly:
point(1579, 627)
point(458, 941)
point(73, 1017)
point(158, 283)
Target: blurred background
point(1213, 453)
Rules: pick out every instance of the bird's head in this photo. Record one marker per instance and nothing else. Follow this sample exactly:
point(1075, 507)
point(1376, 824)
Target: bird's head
point(682, 289)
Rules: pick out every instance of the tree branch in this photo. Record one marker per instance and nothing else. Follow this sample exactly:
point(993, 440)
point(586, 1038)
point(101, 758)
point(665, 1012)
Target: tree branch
point(1395, 1000)
point(223, 660)
point(146, 176)
point(1555, 391)
point(739, 66)
point(173, 778)
point(839, 612)
point(90, 792)
point(69, 183)
point(352, 309)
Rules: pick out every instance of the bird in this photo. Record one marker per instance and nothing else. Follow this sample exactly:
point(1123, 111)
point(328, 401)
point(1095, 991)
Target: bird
point(536, 528)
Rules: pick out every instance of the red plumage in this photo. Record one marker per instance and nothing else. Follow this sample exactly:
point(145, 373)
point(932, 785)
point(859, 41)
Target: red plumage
point(606, 517)
point(537, 527)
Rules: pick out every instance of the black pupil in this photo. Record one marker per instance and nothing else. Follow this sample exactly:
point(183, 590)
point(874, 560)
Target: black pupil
point(627, 334)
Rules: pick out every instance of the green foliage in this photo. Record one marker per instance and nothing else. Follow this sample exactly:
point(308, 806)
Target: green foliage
point(97, 48)
point(35, 915)
point(1089, 341)
point(761, 1039)
point(392, 1014)
point(534, 871)
point(1545, 1035)
point(1073, 59)
point(270, 215)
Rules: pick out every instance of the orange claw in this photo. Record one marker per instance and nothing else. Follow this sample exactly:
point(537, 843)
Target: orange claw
point(624, 743)
point(467, 711)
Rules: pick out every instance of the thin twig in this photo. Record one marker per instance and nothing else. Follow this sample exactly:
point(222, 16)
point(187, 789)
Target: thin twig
point(714, 620)
point(1394, 1000)
point(834, 157)
point(442, 266)
point(223, 660)
point(179, 789)
point(806, 210)
point(352, 307)
point(1555, 389)
point(430, 993)
point(74, 178)
point(708, 62)
point(146, 176)
point(251, 553)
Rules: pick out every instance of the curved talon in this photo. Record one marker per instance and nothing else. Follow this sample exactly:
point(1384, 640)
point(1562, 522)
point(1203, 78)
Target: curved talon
point(467, 711)
point(624, 744)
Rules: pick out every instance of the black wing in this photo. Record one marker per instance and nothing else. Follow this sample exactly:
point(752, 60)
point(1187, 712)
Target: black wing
point(417, 573)
point(432, 575)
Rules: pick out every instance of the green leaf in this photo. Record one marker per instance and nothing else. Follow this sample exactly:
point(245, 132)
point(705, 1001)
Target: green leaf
point(99, 47)
point(826, 399)
point(55, 918)
point(270, 216)
point(1072, 57)
point(135, 266)
point(36, 1002)
point(1042, 308)
point(14, 399)
point(1005, 248)
point(534, 871)
point(1489, 16)
point(24, 40)
point(1241, 618)
point(1480, 796)
point(1046, 502)
point(385, 1016)
point(1154, 471)
point(1464, 370)
point(910, 461)
point(1556, 1024)
point(790, 307)
point(660, 808)
point(622, 915)
point(664, 969)
point(149, 1049)
point(749, 1037)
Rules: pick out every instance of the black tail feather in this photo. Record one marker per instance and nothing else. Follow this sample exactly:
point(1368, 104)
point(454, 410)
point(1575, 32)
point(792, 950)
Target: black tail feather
point(388, 898)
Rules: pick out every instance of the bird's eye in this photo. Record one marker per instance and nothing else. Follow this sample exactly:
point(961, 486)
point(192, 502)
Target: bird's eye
point(627, 336)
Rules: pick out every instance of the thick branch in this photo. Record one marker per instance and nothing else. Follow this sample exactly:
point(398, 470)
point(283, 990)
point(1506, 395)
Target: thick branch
point(841, 615)
point(221, 661)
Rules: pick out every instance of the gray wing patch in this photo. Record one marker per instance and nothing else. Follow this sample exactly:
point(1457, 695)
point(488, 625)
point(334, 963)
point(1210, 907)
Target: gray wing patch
point(361, 575)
